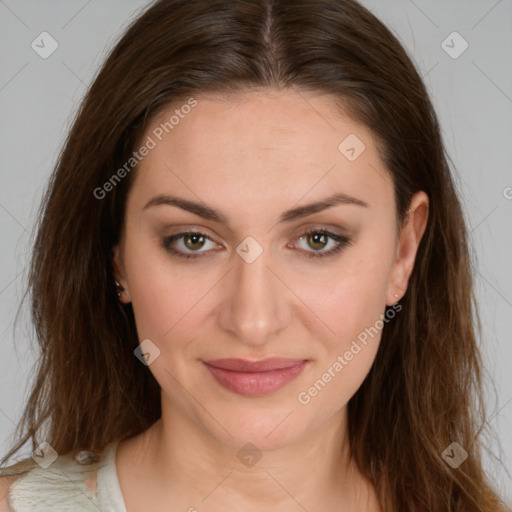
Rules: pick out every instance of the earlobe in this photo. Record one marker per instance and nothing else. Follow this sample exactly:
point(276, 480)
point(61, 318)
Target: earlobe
point(119, 275)
point(410, 237)
point(116, 263)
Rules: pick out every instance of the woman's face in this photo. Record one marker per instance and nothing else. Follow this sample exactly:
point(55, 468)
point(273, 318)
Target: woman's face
point(255, 285)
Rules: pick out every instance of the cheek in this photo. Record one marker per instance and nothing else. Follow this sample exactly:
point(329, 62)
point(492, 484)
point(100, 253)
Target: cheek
point(355, 297)
point(355, 310)
point(164, 300)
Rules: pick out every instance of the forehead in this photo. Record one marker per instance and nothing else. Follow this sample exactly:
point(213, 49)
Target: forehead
point(265, 145)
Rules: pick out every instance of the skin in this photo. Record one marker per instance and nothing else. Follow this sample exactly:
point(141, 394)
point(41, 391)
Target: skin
point(253, 156)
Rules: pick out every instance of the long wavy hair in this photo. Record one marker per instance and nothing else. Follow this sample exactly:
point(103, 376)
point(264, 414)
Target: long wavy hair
point(425, 389)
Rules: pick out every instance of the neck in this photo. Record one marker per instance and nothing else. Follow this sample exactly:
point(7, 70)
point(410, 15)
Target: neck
point(185, 467)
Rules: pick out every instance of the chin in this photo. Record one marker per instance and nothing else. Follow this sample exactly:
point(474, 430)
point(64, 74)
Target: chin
point(268, 427)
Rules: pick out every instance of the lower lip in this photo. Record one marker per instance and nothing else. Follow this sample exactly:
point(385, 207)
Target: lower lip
point(255, 383)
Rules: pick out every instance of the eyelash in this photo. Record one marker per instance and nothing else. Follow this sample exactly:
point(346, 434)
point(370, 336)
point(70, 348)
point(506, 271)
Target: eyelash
point(342, 242)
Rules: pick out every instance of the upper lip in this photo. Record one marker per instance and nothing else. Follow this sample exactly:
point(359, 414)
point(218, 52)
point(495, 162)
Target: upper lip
point(262, 365)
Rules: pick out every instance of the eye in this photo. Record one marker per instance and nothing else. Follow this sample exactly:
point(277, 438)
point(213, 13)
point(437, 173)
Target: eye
point(193, 241)
point(318, 239)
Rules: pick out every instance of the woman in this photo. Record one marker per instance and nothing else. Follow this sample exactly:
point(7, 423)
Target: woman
point(251, 262)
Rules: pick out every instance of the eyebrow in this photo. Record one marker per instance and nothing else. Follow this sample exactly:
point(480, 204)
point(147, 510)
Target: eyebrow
point(209, 213)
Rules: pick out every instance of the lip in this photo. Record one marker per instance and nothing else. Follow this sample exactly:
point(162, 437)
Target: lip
point(255, 378)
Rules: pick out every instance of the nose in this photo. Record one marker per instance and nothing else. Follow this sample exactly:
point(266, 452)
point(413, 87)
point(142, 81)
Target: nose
point(257, 305)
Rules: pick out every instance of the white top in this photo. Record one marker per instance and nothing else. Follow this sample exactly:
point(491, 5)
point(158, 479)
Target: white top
point(67, 485)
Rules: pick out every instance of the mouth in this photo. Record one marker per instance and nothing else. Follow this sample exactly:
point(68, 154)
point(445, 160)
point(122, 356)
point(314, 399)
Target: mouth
point(255, 378)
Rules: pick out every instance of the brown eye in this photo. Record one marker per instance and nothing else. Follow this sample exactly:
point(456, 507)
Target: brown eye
point(187, 243)
point(194, 241)
point(319, 240)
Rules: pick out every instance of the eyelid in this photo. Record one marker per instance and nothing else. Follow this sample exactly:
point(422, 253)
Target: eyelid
point(168, 240)
point(341, 241)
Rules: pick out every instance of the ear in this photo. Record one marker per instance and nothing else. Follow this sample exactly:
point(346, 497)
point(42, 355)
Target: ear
point(410, 237)
point(120, 273)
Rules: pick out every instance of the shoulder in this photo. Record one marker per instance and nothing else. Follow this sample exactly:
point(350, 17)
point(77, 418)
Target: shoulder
point(64, 485)
point(5, 485)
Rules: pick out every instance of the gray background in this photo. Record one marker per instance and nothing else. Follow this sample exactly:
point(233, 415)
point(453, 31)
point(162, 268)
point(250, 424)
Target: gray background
point(472, 95)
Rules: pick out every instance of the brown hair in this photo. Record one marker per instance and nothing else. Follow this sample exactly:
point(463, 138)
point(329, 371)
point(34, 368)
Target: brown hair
point(424, 390)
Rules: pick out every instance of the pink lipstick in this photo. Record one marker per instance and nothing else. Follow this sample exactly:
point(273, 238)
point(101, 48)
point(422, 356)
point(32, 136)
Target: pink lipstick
point(254, 378)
